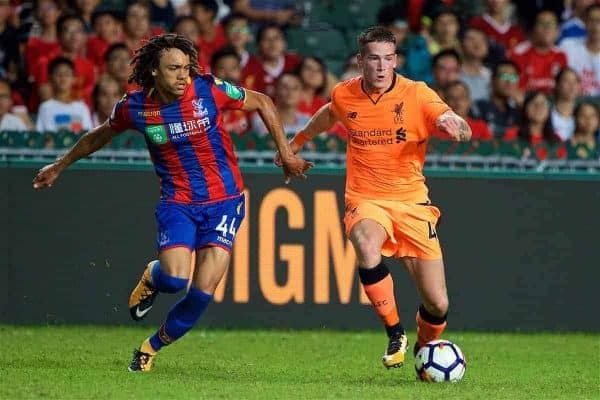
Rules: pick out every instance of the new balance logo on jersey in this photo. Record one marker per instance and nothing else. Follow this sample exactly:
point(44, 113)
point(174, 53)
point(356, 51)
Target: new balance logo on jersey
point(352, 115)
point(401, 135)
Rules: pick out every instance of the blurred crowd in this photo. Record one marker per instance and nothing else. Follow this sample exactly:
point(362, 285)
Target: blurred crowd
point(525, 72)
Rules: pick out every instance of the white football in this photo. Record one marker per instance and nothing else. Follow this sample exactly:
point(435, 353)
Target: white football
point(440, 361)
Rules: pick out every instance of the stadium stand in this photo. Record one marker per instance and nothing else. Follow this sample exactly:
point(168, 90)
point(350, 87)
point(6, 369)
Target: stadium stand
point(326, 29)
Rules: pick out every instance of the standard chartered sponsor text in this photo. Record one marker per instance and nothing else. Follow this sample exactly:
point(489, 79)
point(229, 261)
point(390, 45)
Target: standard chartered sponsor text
point(371, 137)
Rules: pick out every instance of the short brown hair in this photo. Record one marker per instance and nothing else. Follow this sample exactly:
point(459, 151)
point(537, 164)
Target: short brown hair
point(375, 34)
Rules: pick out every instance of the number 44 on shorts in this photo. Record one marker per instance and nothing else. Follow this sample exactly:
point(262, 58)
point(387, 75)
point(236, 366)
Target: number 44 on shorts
point(224, 229)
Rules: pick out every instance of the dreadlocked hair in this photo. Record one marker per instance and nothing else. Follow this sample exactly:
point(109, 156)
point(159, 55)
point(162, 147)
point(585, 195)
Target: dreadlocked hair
point(147, 57)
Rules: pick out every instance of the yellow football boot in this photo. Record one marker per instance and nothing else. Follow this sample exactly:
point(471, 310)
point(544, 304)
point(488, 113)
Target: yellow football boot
point(142, 358)
point(394, 355)
point(143, 295)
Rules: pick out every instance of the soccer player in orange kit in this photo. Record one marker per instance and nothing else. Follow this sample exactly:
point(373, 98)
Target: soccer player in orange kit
point(388, 210)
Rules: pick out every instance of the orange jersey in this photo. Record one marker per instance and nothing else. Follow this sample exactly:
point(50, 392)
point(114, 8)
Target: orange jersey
point(387, 138)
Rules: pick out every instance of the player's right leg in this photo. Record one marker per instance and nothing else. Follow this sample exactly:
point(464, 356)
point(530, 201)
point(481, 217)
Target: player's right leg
point(169, 274)
point(177, 261)
point(367, 237)
point(175, 242)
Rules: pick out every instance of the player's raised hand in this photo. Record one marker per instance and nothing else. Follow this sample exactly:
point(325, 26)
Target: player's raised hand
point(295, 166)
point(456, 127)
point(46, 176)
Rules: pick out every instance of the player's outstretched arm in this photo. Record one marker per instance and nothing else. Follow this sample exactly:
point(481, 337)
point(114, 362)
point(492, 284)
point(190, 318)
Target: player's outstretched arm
point(89, 143)
point(455, 126)
point(321, 121)
point(292, 165)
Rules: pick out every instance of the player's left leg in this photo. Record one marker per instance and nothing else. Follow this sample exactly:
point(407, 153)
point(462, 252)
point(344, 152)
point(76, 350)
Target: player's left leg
point(430, 280)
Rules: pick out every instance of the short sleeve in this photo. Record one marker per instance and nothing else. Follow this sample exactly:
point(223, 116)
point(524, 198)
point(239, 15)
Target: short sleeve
point(431, 106)
point(228, 95)
point(120, 119)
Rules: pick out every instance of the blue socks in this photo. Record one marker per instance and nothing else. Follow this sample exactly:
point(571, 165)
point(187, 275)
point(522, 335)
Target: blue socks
point(166, 283)
point(181, 318)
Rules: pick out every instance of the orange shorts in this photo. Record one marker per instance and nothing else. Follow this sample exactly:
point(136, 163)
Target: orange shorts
point(410, 227)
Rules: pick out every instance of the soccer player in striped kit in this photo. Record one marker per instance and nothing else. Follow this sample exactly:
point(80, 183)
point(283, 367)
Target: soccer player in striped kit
point(179, 112)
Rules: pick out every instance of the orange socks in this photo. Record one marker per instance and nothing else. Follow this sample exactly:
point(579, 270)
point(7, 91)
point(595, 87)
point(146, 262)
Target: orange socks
point(382, 297)
point(379, 287)
point(429, 327)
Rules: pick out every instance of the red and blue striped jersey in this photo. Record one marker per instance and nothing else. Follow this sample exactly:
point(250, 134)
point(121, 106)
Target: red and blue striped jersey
point(192, 154)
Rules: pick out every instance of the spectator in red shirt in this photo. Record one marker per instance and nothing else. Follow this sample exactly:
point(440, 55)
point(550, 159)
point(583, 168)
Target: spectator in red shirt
point(287, 98)
point(107, 30)
point(457, 96)
point(496, 23)
point(137, 25)
point(237, 31)
point(225, 64)
point(538, 59)
point(47, 13)
point(313, 73)
point(535, 131)
point(187, 26)
point(212, 36)
point(72, 41)
point(116, 62)
point(261, 73)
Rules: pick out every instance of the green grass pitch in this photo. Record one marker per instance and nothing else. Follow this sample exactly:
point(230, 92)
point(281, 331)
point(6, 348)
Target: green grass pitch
point(71, 362)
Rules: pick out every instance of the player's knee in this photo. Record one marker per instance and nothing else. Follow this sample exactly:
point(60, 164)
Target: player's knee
point(173, 285)
point(176, 268)
point(207, 287)
point(165, 282)
point(438, 306)
point(368, 252)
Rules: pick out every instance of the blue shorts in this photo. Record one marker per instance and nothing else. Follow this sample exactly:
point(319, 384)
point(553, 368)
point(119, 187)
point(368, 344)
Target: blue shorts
point(199, 225)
